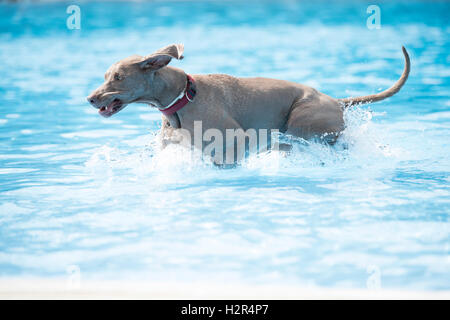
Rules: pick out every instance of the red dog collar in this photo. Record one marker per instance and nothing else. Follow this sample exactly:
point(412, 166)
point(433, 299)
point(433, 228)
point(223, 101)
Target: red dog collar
point(182, 100)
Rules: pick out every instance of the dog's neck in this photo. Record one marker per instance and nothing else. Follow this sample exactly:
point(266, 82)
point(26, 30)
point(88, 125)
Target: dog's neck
point(167, 84)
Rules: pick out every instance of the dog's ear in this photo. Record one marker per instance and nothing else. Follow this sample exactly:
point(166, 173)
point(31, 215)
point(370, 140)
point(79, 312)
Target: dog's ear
point(161, 57)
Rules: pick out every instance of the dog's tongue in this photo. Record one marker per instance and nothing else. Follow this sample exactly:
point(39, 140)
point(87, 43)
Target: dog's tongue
point(108, 108)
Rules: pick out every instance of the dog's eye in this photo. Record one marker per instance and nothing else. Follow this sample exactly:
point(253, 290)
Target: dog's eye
point(117, 77)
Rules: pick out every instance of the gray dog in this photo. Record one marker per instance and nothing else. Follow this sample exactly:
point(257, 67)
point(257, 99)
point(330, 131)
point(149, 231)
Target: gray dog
point(224, 102)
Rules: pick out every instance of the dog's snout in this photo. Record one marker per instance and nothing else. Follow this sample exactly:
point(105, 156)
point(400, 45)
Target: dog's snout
point(93, 100)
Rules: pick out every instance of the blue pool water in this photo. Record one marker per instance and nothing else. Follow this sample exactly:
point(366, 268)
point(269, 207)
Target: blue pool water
point(77, 189)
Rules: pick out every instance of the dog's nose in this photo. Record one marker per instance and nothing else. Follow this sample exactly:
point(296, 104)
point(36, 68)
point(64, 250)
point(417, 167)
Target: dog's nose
point(92, 100)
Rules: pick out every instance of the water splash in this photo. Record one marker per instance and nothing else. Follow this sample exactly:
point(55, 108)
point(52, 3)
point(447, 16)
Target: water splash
point(361, 144)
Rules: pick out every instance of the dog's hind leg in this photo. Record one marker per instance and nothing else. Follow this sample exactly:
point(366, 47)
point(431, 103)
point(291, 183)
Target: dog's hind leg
point(319, 117)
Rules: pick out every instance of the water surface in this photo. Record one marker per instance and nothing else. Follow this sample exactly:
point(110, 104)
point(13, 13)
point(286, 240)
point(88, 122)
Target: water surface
point(77, 189)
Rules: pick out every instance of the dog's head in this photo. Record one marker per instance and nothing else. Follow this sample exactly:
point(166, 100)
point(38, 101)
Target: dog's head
point(131, 80)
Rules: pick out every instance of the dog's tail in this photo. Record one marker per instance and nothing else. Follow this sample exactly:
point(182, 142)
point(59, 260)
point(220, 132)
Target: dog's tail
point(385, 94)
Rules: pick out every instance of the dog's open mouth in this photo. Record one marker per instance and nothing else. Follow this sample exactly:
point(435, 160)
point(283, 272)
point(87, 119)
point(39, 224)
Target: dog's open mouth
point(113, 107)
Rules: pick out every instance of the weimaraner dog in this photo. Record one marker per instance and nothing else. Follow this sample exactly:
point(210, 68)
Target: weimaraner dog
point(224, 102)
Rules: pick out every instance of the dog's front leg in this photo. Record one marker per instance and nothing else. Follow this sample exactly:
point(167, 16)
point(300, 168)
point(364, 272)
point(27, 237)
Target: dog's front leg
point(169, 134)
